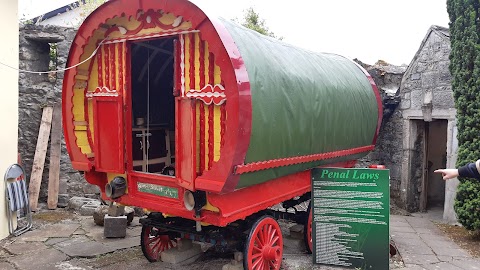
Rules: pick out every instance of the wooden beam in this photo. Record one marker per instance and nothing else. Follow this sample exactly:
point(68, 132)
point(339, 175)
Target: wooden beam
point(39, 158)
point(55, 152)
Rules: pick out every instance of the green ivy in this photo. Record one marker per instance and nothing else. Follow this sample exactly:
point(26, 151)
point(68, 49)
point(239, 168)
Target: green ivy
point(465, 70)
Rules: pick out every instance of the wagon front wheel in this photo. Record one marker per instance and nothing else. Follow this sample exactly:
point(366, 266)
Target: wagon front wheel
point(264, 245)
point(154, 241)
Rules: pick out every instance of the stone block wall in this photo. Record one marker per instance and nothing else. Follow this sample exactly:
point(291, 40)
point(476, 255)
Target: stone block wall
point(388, 148)
point(426, 95)
point(428, 79)
point(38, 91)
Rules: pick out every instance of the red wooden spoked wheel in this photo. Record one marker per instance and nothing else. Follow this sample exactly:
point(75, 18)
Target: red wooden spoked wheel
point(154, 242)
point(307, 231)
point(264, 246)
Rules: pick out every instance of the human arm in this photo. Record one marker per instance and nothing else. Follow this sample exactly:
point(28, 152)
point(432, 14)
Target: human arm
point(471, 170)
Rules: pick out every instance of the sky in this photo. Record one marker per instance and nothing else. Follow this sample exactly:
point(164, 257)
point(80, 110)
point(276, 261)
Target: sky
point(369, 30)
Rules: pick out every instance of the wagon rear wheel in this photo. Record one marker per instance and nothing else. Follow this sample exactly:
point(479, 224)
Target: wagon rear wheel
point(307, 231)
point(154, 241)
point(264, 245)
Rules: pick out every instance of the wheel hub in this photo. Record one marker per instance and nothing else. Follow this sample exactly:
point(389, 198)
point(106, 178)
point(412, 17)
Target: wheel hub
point(271, 253)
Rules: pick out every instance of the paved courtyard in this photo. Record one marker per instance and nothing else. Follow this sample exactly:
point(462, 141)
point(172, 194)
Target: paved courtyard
point(76, 243)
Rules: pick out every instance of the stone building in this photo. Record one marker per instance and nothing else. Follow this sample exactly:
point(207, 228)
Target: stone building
point(44, 48)
point(426, 128)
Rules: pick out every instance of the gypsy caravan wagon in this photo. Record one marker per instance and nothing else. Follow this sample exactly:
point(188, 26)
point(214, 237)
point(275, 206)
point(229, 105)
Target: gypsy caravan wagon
point(207, 124)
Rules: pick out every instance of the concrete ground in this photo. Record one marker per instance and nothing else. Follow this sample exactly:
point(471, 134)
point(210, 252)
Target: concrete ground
point(423, 246)
point(76, 243)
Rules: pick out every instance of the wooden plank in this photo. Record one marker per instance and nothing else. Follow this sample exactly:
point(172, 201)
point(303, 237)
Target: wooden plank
point(55, 151)
point(39, 158)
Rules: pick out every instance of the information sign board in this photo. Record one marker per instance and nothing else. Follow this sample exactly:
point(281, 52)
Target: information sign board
point(351, 217)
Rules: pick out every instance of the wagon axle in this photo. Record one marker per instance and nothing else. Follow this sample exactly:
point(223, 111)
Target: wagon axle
point(258, 237)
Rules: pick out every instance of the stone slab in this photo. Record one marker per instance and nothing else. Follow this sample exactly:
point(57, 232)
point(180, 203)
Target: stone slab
point(53, 241)
point(413, 267)
point(77, 239)
point(430, 239)
point(44, 259)
point(431, 231)
point(77, 202)
point(298, 261)
point(418, 222)
point(22, 248)
point(419, 259)
point(134, 231)
point(455, 252)
point(88, 209)
point(124, 243)
point(293, 245)
point(88, 249)
point(98, 235)
point(184, 244)
point(296, 231)
point(471, 264)
point(191, 260)
point(408, 229)
point(397, 218)
point(403, 235)
point(442, 266)
point(175, 256)
point(414, 249)
point(409, 241)
point(443, 258)
point(4, 254)
point(33, 236)
point(57, 230)
point(79, 231)
point(399, 224)
point(6, 266)
point(91, 231)
point(231, 266)
point(440, 242)
point(71, 266)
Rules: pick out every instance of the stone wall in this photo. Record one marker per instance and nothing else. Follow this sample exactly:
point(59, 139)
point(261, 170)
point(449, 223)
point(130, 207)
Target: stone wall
point(38, 91)
point(387, 149)
point(426, 95)
point(427, 82)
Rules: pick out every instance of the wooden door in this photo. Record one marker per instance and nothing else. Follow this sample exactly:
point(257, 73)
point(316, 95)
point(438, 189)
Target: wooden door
point(108, 116)
point(185, 125)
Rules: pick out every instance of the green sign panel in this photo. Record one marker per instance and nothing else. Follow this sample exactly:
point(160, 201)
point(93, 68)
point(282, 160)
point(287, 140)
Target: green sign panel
point(158, 190)
point(351, 217)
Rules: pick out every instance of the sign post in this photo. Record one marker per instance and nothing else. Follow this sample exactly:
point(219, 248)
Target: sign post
point(351, 217)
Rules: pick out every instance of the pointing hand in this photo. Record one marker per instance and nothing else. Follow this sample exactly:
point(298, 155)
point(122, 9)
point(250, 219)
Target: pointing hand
point(448, 173)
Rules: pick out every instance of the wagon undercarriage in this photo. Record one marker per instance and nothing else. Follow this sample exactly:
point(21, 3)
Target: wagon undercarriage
point(258, 237)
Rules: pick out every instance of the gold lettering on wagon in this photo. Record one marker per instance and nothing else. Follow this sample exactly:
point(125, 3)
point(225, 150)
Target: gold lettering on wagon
point(158, 190)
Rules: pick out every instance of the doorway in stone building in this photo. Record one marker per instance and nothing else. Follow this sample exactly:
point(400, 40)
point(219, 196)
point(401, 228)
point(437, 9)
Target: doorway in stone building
point(432, 195)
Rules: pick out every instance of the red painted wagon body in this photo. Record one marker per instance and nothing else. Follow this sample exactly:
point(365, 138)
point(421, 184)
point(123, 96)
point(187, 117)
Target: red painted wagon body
point(201, 119)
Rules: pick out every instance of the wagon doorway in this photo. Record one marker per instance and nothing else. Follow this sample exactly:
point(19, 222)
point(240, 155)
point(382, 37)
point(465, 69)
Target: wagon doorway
point(152, 106)
point(432, 195)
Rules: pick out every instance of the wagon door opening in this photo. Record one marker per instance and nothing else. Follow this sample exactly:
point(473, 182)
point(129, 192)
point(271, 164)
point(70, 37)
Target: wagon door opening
point(152, 106)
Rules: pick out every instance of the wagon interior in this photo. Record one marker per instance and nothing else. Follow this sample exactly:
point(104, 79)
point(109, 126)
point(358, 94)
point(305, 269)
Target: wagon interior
point(153, 106)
